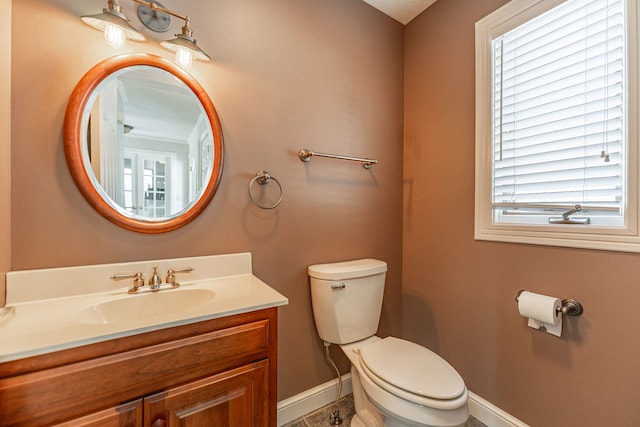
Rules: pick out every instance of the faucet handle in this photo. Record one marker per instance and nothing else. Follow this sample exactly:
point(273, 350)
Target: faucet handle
point(138, 280)
point(171, 275)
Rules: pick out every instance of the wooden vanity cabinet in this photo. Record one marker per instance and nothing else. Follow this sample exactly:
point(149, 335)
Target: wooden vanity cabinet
point(220, 372)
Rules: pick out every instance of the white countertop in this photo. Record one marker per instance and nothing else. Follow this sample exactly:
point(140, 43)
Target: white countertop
point(37, 326)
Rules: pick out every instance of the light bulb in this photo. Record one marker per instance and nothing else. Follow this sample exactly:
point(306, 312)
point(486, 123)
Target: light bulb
point(184, 57)
point(114, 35)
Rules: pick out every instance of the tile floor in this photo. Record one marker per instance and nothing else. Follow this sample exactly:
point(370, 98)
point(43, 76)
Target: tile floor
point(320, 418)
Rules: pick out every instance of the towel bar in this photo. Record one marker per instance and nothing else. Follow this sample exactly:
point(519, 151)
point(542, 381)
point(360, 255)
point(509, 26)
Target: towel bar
point(305, 155)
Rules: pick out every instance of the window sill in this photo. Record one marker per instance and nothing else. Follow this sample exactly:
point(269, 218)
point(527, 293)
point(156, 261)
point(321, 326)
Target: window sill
point(622, 240)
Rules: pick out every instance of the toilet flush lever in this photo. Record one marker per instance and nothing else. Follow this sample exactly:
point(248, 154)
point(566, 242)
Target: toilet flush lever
point(338, 287)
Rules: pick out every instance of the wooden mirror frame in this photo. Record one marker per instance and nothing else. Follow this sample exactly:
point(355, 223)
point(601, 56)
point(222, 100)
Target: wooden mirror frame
point(73, 140)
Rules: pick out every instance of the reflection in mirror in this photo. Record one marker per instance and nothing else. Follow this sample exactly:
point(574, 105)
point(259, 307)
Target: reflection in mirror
point(143, 143)
point(149, 142)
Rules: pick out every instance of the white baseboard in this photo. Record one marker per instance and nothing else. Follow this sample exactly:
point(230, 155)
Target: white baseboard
point(313, 399)
point(491, 415)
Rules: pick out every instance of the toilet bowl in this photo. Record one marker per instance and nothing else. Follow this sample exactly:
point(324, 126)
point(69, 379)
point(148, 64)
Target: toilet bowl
point(395, 382)
point(410, 385)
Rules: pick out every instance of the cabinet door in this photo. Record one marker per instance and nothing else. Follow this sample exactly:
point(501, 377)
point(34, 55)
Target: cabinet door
point(126, 415)
point(236, 398)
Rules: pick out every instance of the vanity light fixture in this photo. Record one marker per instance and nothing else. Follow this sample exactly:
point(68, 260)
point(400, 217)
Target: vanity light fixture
point(185, 47)
point(115, 25)
point(155, 17)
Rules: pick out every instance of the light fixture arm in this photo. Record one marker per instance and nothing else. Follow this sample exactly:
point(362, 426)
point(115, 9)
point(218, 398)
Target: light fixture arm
point(154, 7)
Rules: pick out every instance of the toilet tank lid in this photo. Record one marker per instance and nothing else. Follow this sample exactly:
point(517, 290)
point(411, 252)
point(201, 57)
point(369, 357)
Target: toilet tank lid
point(348, 269)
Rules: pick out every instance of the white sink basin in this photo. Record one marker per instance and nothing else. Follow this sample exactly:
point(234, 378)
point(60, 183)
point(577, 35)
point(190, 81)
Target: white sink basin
point(132, 308)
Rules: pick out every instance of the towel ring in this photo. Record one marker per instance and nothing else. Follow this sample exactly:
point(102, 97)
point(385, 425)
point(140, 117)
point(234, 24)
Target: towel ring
point(262, 178)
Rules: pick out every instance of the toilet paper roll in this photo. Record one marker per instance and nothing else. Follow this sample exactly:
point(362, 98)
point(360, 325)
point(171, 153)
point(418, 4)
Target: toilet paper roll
point(542, 310)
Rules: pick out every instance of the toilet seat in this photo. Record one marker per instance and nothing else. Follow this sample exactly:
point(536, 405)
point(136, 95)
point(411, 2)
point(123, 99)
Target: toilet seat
point(413, 373)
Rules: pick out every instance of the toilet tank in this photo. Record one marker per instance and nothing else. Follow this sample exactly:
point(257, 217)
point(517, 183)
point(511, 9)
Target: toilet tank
point(347, 299)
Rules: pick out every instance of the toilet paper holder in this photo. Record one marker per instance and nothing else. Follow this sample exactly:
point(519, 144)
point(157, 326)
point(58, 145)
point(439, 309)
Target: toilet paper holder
point(570, 307)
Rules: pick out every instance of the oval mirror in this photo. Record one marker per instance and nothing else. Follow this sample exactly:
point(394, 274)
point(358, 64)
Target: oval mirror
point(143, 143)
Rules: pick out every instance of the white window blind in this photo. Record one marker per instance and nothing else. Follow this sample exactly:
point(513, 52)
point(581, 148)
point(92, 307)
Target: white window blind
point(559, 113)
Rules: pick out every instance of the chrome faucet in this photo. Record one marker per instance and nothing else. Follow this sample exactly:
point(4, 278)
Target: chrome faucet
point(155, 281)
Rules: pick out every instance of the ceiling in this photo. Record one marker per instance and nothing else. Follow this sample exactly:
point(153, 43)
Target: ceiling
point(402, 11)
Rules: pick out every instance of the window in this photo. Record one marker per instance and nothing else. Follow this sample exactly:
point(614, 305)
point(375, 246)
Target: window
point(556, 116)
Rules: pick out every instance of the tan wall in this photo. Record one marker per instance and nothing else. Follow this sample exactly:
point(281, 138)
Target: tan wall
point(325, 75)
point(5, 144)
point(458, 294)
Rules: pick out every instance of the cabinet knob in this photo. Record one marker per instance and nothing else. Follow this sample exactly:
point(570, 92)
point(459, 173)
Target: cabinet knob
point(160, 422)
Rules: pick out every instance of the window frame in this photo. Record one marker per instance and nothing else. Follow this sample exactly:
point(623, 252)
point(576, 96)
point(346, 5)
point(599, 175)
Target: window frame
point(623, 238)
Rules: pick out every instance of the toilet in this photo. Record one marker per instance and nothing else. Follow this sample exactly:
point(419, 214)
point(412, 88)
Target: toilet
point(395, 382)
